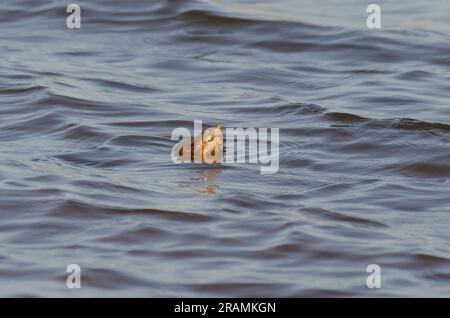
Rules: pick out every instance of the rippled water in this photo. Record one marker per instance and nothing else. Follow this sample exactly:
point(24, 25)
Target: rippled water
point(86, 175)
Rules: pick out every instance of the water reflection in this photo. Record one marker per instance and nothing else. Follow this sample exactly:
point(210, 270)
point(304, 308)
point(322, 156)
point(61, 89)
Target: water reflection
point(207, 180)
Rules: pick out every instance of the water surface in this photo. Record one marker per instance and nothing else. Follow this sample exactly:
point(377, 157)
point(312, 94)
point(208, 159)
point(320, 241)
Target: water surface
point(86, 175)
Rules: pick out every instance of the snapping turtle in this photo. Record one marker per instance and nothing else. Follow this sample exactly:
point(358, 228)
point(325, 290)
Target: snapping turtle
point(208, 146)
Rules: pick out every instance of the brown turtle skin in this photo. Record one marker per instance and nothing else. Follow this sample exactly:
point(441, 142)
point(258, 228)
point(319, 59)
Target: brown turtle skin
point(210, 141)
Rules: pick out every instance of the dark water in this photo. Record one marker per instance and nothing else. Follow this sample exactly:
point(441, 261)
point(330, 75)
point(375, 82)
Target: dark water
point(86, 175)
